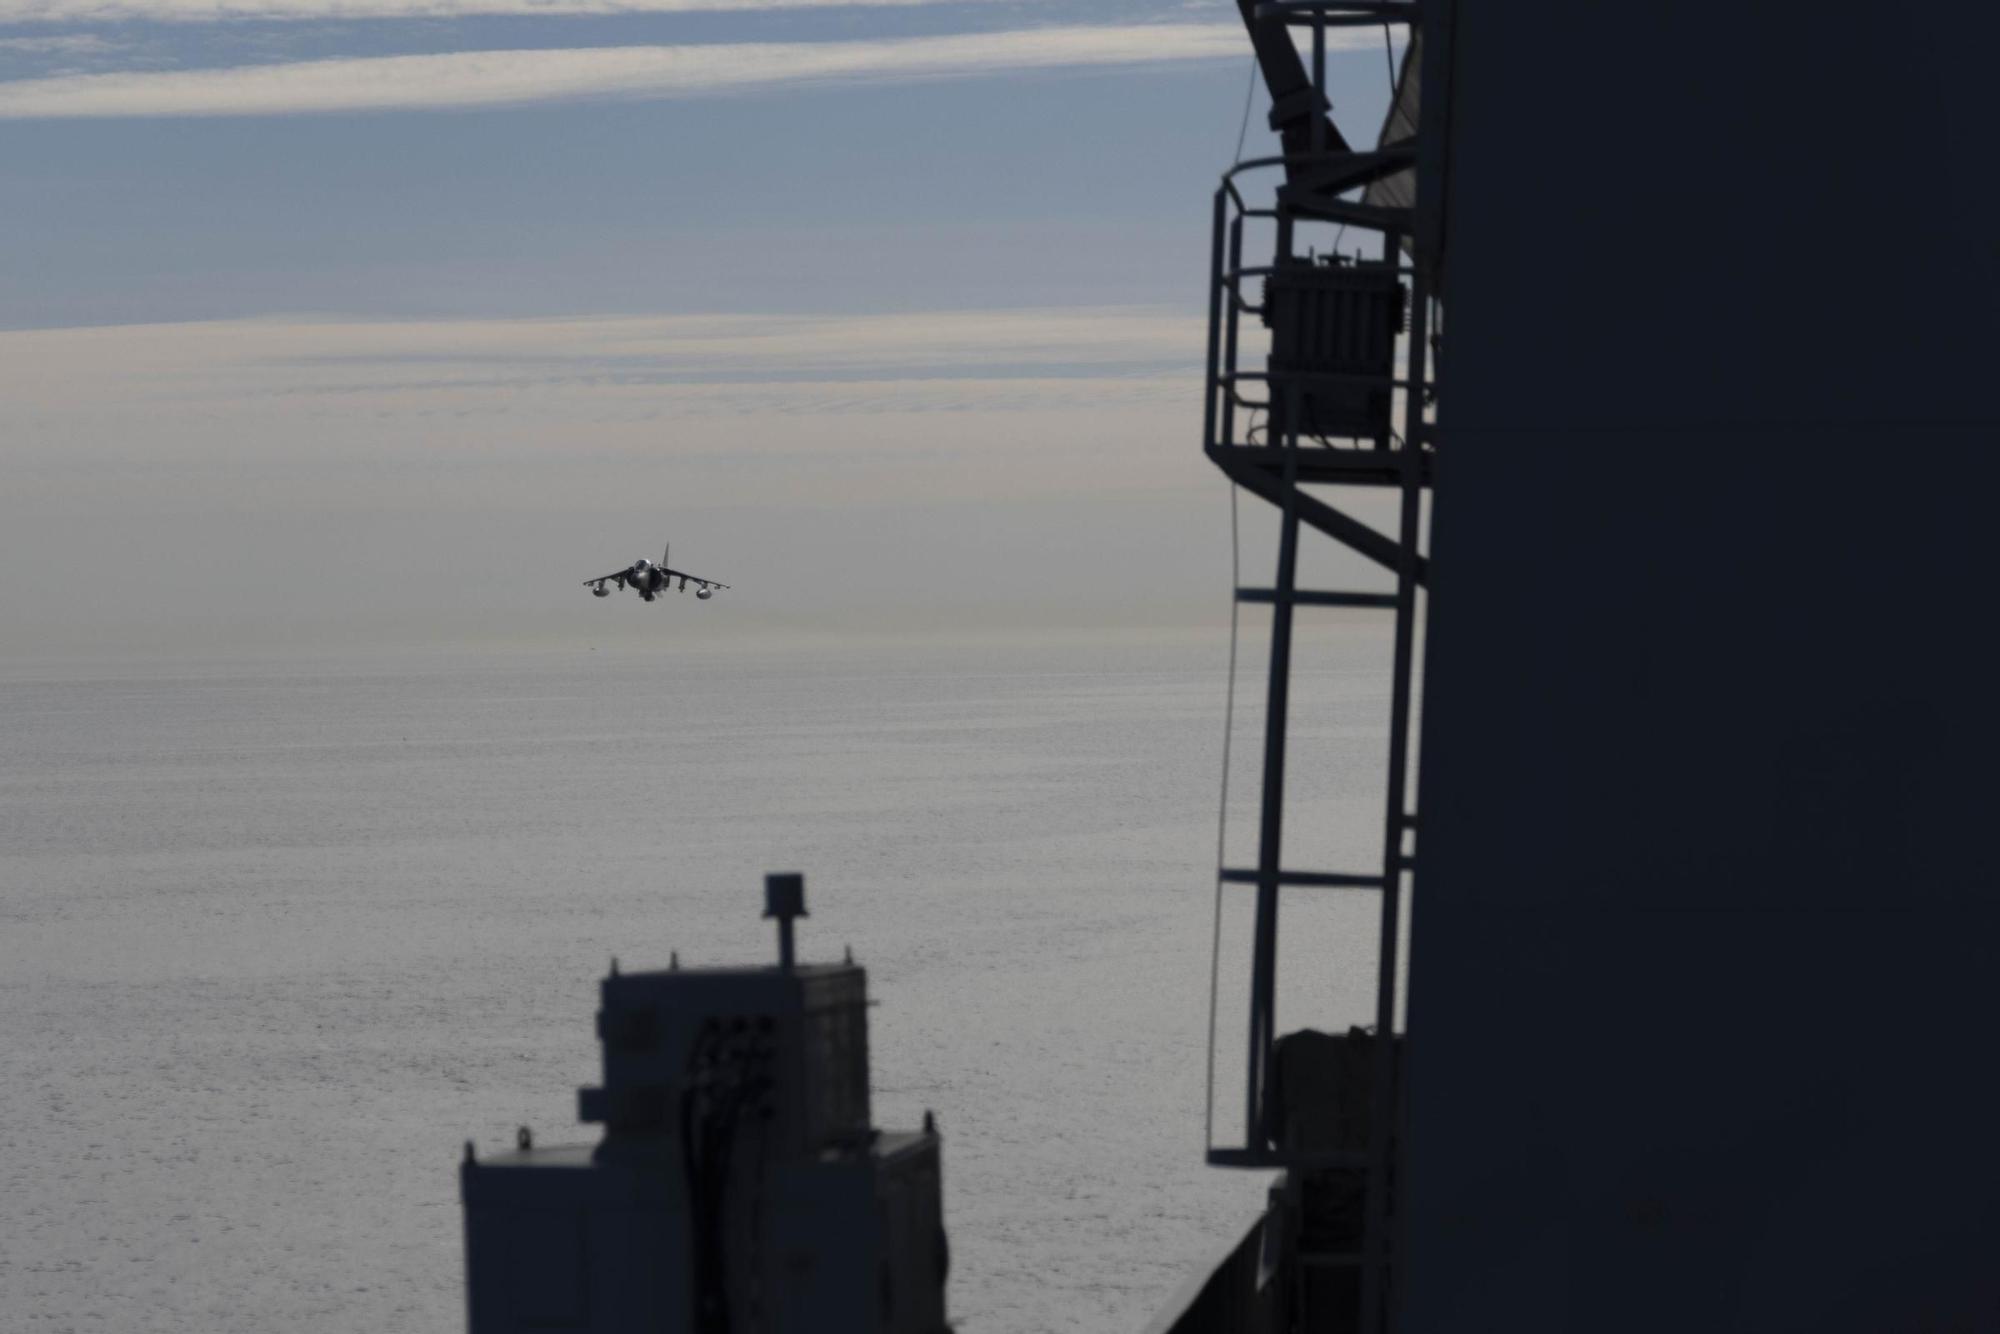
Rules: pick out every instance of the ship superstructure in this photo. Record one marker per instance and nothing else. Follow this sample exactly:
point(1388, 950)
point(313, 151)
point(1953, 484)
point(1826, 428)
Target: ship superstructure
point(1702, 966)
point(739, 1184)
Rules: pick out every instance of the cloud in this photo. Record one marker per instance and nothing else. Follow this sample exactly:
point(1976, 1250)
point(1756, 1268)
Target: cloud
point(222, 11)
point(325, 481)
point(69, 44)
point(280, 416)
point(974, 340)
point(597, 369)
point(471, 79)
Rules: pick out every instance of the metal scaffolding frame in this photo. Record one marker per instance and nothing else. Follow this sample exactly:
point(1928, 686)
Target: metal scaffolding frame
point(1321, 174)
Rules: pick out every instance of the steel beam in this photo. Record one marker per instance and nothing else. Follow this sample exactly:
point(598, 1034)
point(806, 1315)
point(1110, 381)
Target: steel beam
point(1384, 551)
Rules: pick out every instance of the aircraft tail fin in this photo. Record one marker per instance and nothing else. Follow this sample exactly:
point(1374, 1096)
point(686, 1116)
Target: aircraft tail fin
point(666, 552)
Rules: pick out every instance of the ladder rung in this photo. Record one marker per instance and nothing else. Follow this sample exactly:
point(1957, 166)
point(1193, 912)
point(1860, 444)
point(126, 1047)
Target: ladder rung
point(1309, 597)
point(1320, 879)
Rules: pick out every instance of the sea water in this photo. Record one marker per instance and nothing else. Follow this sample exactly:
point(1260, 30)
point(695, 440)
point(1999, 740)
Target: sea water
point(277, 938)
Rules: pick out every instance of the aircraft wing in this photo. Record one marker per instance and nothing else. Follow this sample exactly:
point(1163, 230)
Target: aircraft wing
point(619, 575)
point(692, 578)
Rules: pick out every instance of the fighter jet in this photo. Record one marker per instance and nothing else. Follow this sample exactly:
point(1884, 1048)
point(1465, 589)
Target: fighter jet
point(647, 579)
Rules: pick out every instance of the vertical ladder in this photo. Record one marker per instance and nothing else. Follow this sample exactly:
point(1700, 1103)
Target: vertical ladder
point(1329, 395)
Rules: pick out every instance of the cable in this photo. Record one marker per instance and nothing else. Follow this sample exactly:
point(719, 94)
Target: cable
point(724, 1079)
point(1222, 819)
point(1249, 91)
point(710, 1299)
point(1228, 730)
point(1228, 726)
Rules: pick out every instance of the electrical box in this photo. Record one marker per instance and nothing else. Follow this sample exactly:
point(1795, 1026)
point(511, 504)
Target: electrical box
point(1334, 324)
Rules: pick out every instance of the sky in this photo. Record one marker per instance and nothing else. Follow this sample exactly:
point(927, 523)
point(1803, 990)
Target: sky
point(328, 323)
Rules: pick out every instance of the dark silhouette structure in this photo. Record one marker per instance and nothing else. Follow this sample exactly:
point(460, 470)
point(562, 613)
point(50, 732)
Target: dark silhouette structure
point(1703, 861)
point(1338, 396)
point(1703, 966)
point(738, 1186)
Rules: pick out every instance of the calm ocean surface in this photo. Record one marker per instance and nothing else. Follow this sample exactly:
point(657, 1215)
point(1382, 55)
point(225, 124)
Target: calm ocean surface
point(276, 939)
